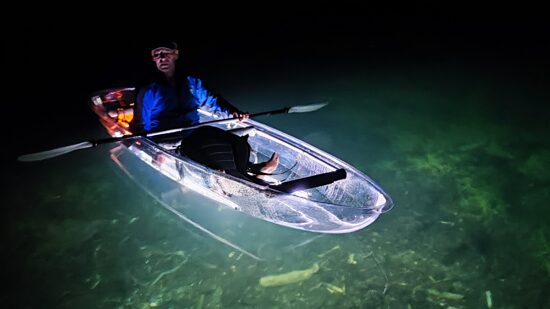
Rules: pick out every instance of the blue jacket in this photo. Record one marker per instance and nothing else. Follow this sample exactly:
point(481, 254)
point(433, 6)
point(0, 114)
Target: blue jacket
point(161, 106)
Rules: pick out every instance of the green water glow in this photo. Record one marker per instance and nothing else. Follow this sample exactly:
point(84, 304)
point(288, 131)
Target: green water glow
point(468, 171)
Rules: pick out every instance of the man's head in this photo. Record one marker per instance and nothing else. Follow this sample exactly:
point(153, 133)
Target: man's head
point(164, 55)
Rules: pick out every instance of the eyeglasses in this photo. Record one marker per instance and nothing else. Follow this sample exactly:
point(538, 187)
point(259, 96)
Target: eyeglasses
point(163, 54)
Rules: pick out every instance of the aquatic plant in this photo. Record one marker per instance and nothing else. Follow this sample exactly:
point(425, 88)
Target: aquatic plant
point(537, 166)
point(479, 200)
point(434, 164)
point(542, 248)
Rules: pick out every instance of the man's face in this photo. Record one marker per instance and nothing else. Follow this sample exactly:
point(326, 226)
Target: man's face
point(165, 58)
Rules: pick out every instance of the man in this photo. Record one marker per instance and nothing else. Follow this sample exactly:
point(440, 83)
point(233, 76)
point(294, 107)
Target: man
point(171, 101)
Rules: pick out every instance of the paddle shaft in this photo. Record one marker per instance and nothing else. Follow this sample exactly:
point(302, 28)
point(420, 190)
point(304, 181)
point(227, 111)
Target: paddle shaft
point(278, 111)
point(92, 143)
point(217, 121)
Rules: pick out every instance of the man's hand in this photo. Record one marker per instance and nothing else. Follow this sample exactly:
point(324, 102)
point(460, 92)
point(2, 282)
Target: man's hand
point(241, 116)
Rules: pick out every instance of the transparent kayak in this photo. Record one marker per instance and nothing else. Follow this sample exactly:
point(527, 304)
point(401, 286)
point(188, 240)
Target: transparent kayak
point(345, 200)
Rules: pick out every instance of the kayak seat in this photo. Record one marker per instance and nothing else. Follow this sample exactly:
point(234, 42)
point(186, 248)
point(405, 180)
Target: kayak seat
point(218, 150)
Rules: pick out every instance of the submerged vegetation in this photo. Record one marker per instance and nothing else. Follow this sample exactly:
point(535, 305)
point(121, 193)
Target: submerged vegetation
point(469, 229)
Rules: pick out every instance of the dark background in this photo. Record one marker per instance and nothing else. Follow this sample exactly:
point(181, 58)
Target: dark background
point(51, 66)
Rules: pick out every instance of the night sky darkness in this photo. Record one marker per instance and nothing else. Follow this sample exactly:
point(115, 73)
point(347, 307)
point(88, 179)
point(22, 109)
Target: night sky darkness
point(51, 68)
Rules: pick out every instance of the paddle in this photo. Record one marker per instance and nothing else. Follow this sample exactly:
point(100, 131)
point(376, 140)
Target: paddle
point(37, 156)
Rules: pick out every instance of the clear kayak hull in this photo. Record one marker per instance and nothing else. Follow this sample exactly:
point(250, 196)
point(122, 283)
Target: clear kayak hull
point(341, 206)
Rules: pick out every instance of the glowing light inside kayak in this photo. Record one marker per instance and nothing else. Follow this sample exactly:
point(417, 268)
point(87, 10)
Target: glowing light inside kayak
point(303, 194)
point(97, 100)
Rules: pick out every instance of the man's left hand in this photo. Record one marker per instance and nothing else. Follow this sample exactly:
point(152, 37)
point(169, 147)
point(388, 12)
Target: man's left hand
point(241, 116)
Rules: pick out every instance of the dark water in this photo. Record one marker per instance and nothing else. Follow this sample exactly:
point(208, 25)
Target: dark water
point(454, 130)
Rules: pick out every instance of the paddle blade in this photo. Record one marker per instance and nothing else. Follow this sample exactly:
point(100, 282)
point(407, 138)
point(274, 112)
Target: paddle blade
point(307, 108)
point(37, 156)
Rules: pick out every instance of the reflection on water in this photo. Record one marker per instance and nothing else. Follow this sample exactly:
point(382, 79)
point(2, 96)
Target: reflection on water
point(469, 229)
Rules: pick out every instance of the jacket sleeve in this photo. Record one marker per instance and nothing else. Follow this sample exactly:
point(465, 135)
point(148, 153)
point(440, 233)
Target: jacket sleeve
point(209, 100)
point(142, 121)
